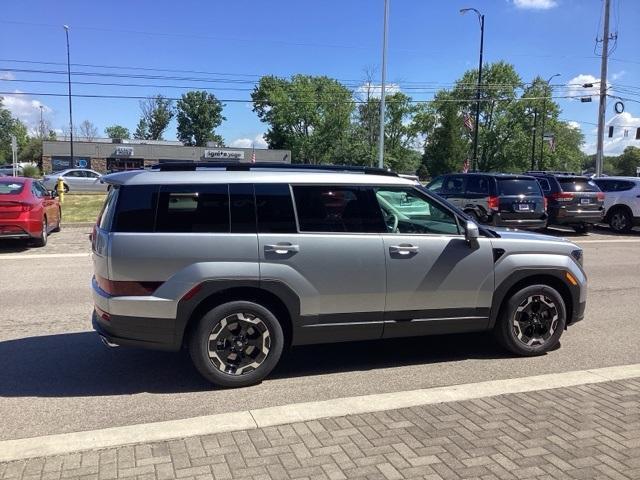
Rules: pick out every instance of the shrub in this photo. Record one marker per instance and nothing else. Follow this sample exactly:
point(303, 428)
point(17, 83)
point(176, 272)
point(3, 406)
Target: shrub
point(30, 171)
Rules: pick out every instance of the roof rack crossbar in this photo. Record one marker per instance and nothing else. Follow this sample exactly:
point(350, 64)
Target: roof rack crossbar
point(175, 166)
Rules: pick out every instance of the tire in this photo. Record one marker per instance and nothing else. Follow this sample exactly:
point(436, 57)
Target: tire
point(473, 216)
point(514, 330)
point(620, 220)
point(582, 228)
point(57, 227)
point(41, 241)
point(220, 322)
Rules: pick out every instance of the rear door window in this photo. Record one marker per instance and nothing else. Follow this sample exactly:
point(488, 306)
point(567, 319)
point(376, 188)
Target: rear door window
point(478, 185)
point(338, 208)
point(519, 186)
point(136, 208)
point(454, 185)
point(242, 207)
point(193, 208)
point(274, 208)
point(577, 184)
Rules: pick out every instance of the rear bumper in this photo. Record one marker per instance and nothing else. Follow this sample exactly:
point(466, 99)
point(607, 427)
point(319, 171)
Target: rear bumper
point(561, 216)
point(149, 333)
point(533, 223)
point(16, 228)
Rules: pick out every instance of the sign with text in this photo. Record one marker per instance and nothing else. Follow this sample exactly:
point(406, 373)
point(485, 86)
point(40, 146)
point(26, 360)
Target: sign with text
point(124, 151)
point(224, 154)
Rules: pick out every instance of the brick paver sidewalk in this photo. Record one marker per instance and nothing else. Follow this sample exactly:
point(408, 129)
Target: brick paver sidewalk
point(585, 432)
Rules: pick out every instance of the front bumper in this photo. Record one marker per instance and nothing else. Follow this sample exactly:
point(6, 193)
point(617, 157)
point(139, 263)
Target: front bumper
point(577, 314)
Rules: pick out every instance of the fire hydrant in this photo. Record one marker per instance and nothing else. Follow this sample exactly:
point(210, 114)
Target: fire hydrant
point(60, 189)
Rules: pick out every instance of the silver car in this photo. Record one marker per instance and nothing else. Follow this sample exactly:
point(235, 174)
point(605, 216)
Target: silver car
point(76, 180)
point(237, 263)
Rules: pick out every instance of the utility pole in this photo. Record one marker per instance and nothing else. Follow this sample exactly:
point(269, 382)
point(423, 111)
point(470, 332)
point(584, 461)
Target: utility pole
point(540, 165)
point(474, 161)
point(533, 139)
point(383, 86)
point(603, 90)
point(41, 123)
point(66, 30)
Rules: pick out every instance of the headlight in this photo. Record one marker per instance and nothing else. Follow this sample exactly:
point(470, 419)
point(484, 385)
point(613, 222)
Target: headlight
point(577, 256)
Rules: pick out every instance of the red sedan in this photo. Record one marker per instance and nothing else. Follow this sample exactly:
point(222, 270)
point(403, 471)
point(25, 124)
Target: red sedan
point(27, 210)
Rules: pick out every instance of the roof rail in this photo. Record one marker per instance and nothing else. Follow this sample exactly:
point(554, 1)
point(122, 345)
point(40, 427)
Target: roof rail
point(171, 166)
point(554, 172)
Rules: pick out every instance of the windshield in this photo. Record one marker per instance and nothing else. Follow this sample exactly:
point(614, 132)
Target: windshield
point(519, 186)
point(578, 185)
point(10, 186)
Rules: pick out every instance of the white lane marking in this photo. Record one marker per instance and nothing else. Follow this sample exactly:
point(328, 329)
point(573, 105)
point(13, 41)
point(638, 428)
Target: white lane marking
point(300, 412)
point(43, 255)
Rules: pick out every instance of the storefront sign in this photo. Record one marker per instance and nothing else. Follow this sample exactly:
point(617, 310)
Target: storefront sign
point(224, 154)
point(62, 163)
point(124, 151)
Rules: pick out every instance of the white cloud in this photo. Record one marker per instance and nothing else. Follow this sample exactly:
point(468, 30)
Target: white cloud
point(624, 135)
point(7, 76)
point(375, 89)
point(573, 124)
point(25, 108)
point(535, 4)
point(618, 75)
point(258, 142)
point(575, 86)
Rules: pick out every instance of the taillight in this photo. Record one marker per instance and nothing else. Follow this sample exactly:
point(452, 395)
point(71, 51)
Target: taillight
point(119, 288)
point(493, 203)
point(546, 203)
point(600, 196)
point(562, 197)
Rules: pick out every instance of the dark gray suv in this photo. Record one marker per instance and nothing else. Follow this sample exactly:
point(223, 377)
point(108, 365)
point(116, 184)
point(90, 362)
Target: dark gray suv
point(238, 262)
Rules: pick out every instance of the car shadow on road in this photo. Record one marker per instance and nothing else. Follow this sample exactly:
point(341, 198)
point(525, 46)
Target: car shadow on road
point(77, 364)
point(14, 246)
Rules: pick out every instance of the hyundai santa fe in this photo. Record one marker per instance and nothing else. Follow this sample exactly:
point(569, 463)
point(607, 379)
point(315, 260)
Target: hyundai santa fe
point(237, 262)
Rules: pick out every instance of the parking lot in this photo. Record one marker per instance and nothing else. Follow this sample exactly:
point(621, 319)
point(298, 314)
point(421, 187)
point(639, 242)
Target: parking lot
point(57, 376)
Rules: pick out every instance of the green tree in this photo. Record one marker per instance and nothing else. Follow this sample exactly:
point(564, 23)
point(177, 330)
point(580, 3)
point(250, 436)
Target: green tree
point(117, 131)
point(10, 126)
point(308, 115)
point(199, 113)
point(157, 112)
point(629, 161)
point(447, 144)
point(142, 130)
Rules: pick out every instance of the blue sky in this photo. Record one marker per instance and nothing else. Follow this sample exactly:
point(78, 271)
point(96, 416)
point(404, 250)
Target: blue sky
point(429, 42)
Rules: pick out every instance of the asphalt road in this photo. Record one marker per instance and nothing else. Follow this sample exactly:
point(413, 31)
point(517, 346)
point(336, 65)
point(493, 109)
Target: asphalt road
point(56, 376)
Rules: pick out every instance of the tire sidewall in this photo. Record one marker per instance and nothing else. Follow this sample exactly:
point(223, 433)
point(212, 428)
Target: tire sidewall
point(198, 344)
point(627, 225)
point(510, 340)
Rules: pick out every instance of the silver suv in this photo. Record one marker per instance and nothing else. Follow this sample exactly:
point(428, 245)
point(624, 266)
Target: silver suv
point(238, 262)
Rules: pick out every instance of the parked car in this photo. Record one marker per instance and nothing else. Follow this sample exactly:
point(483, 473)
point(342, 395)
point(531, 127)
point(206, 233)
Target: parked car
point(76, 180)
point(27, 210)
point(7, 170)
point(573, 200)
point(237, 262)
point(501, 200)
point(621, 201)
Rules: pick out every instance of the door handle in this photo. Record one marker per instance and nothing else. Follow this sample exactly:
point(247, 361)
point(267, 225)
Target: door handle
point(404, 249)
point(282, 248)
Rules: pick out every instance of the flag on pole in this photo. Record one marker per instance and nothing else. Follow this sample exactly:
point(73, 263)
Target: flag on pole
point(468, 121)
point(465, 166)
point(253, 153)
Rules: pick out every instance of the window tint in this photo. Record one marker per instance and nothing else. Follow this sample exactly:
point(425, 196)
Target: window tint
point(519, 186)
point(243, 208)
point(624, 185)
point(104, 218)
point(136, 208)
point(193, 208)
point(9, 186)
point(545, 185)
point(454, 185)
point(74, 174)
point(407, 210)
point(91, 174)
point(436, 184)
point(42, 192)
point(577, 184)
point(606, 185)
point(274, 208)
point(478, 185)
point(337, 208)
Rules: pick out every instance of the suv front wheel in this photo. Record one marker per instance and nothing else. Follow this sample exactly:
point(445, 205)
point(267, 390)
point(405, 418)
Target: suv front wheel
point(236, 344)
point(532, 321)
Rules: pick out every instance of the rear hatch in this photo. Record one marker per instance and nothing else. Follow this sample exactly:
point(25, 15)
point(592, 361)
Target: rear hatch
point(12, 202)
point(579, 194)
point(520, 198)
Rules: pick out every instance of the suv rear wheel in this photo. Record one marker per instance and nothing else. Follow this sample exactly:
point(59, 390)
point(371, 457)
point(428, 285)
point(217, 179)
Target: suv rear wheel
point(532, 321)
point(236, 344)
point(620, 220)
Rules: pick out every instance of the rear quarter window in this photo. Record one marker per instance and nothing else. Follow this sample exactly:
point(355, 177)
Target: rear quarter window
point(136, 207)
point(10, 187)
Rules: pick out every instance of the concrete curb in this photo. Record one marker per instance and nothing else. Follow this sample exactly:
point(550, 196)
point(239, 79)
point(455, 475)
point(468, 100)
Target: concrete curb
point(249, 419)
point(77, 224)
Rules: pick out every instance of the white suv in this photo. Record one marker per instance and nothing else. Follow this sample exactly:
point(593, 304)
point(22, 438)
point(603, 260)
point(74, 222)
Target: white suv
point(621, 202)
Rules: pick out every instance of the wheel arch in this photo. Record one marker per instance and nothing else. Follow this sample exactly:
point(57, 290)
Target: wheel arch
point(618, 206)
point(275, 296)
point(523, 278)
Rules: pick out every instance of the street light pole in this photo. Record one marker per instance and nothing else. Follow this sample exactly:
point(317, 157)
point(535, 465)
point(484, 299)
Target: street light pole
point(66, 31)
point(544, 118)
point(474, 164)
point(383, 86)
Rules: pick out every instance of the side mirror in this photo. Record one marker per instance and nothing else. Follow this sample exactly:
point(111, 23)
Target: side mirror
point(472, 233)
point(53, 193)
